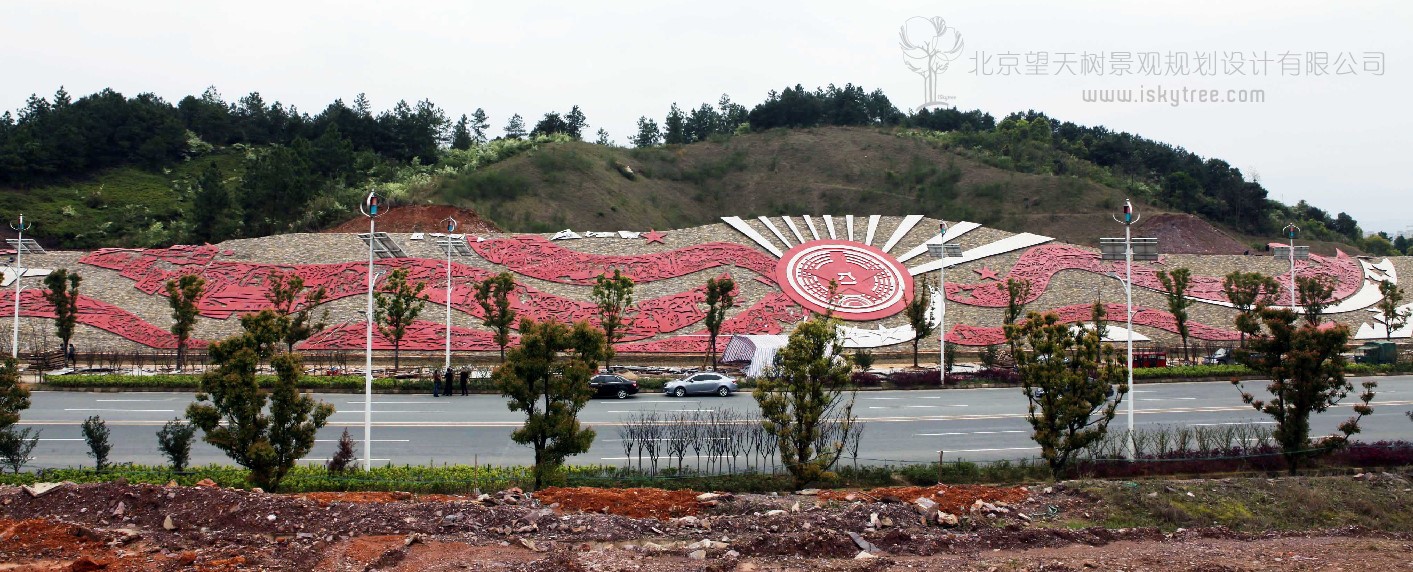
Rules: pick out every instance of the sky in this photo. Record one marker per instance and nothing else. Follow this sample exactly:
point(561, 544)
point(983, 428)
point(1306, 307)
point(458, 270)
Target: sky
point(1333, 139)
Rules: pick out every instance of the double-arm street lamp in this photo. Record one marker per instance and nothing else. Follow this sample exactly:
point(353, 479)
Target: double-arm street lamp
point(372, 208)
point(943, 251)
point(1129, 249)
point(1294, 253)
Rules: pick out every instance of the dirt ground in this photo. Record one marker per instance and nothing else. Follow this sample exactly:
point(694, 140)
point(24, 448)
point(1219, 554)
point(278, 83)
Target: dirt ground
point(121, 527)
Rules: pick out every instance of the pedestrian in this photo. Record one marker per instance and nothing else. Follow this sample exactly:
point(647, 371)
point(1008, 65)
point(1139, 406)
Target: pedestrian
point(450, 376)
point(465, 377)
point(436, 383)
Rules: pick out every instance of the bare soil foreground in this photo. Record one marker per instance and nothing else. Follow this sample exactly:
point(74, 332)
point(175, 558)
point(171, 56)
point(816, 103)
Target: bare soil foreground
point(119, 527)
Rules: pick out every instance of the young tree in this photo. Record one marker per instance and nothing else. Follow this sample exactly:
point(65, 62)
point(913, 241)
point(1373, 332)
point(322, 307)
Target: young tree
point(480, 124)
point(1247, 291)
point(1175, 285)
point(648, 134)
point(674, 128)
point(295, 323)
point(806, 393)
point(1065, 376)
point(398, 304)
point(493, 294)
point(603, 138)
point(344, 455)
point(174, 440)
point(182, 295)
point(1017, 292)
point(1307, 377)
point(15, 445)
point(918, 312)
point(515, 128)
point(230, 410)
point(63, 294)
point(95, 434)
point(461, 137)
point(547, 377)
point(613, 296)
point(575, 122)
point(1388, 306)
point(1313, 294)
point(720, 297)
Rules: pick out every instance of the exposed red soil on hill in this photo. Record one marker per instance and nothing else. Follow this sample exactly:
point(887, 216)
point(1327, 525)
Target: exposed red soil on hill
point(421, 218)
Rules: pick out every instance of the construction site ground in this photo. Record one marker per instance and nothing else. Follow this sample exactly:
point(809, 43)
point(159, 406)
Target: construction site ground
point(120, 527)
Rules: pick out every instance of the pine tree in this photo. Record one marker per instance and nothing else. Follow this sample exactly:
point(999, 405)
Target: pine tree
point(675, 127)
point(493, 295)
point(575, 123)
point(613, 296)
point(515, 128)
point(183, 294)
point(720, 297)
point(917, 312)
point(603, 138)
point(480, 124)
point(398, 304)
point(648, 134)
point(461, 137)
point(63, 294)
point(174, 440)
point(1175, 289)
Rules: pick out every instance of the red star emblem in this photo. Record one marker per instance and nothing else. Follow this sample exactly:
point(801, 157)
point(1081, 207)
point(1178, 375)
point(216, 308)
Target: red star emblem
point(986, 273)
point(851, 278)
point(654, 236)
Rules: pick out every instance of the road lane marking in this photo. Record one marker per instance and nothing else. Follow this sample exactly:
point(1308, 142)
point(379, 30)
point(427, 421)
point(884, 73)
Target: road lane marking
point(967, 433)
point(126, 410)
point(990, 450)
point(1168, 399)
point(375, 440)
point(131, 400)
point(398, 411)
point(662, 410)
point(60, 438)
point(1232, 423)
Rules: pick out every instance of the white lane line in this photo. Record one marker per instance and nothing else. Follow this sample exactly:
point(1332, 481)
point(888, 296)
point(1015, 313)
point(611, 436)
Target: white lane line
point(60, 438)
point(1168, 399)
point(392, 402)
point(665, 410)
point(1232, 423)
point(129, 400)
point(375, 440)
point(662, 401)
point(968, 433)
point(127, 410)
point(396, 411)
point(375, 459)
point(990, 450)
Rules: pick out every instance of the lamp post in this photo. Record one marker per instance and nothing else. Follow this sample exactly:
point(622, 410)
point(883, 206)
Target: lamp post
point(450, 228)
point(19, 227)
point(371, 209)
point(943, 251)
point(1109, 249)
point(1290, 231)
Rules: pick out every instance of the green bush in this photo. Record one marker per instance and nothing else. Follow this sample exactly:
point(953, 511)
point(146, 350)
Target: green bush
point(1190, 371)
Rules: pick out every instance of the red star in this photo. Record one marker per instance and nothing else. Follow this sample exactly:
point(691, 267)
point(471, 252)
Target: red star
point(654, 236)
point(986, 273)
point(850, 277)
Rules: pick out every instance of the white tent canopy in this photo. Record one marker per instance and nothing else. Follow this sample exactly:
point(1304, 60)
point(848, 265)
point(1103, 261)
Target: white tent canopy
point(758, 350)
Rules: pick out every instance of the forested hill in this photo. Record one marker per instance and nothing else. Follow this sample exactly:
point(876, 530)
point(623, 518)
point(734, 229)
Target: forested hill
point(107, 169)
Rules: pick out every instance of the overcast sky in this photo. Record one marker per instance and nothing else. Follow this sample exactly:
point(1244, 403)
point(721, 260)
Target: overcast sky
point(1335, 139)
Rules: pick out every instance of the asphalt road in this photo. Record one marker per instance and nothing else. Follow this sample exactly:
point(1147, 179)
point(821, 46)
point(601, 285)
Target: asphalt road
point(973, 424)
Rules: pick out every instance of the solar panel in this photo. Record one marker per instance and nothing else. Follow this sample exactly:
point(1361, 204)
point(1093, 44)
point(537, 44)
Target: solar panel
point(25, 246)
point(383, 245)
point(1144, 249)
point(949, 250)
point(1301, 252)
point(458, 245)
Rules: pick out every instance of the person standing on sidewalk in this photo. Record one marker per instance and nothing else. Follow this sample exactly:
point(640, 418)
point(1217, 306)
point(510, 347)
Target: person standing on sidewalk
point(450, 377)
point(436, 382)
point(465, 376)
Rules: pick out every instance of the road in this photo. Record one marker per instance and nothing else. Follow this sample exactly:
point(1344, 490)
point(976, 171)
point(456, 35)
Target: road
point(973, 424)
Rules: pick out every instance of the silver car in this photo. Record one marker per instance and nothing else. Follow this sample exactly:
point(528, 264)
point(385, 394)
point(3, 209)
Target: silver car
point(701, 384)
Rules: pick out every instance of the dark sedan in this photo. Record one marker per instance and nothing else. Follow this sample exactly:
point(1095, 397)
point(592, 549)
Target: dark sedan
point(609, 385)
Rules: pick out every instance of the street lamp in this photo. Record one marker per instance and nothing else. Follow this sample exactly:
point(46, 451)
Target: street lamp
point(943, 251)
point(19, 227)
point(1294, 253)
point(1147, 250)
point(371, 208)
point(450, 228)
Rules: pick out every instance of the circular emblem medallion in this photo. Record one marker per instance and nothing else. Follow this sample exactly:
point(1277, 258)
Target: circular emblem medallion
point(870, 284)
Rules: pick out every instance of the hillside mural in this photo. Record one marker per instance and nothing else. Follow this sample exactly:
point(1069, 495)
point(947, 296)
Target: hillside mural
point(787, 261)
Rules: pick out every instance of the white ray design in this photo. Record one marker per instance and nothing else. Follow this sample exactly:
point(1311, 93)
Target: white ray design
point(849, 224)
point(810, 223)
point(872, 226)
point(743, 228)
point(829, 224)
point(908, 223)
point(10, 273)
point(1008, 244)
point(775, 230)
point(953, 233)
point(795, 229)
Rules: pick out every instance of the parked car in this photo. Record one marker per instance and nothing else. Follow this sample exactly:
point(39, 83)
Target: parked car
point(701, 383)
point(610, 385)
point(1220, 357)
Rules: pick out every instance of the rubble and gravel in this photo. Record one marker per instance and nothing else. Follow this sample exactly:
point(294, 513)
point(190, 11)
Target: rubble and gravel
point(119, 526)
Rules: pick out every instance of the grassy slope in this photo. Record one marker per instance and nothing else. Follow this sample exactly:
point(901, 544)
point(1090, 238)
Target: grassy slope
point(830, 170)
point(113, 202)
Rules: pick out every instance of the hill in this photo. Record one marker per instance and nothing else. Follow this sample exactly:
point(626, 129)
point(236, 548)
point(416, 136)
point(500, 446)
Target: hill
point(821, 170)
